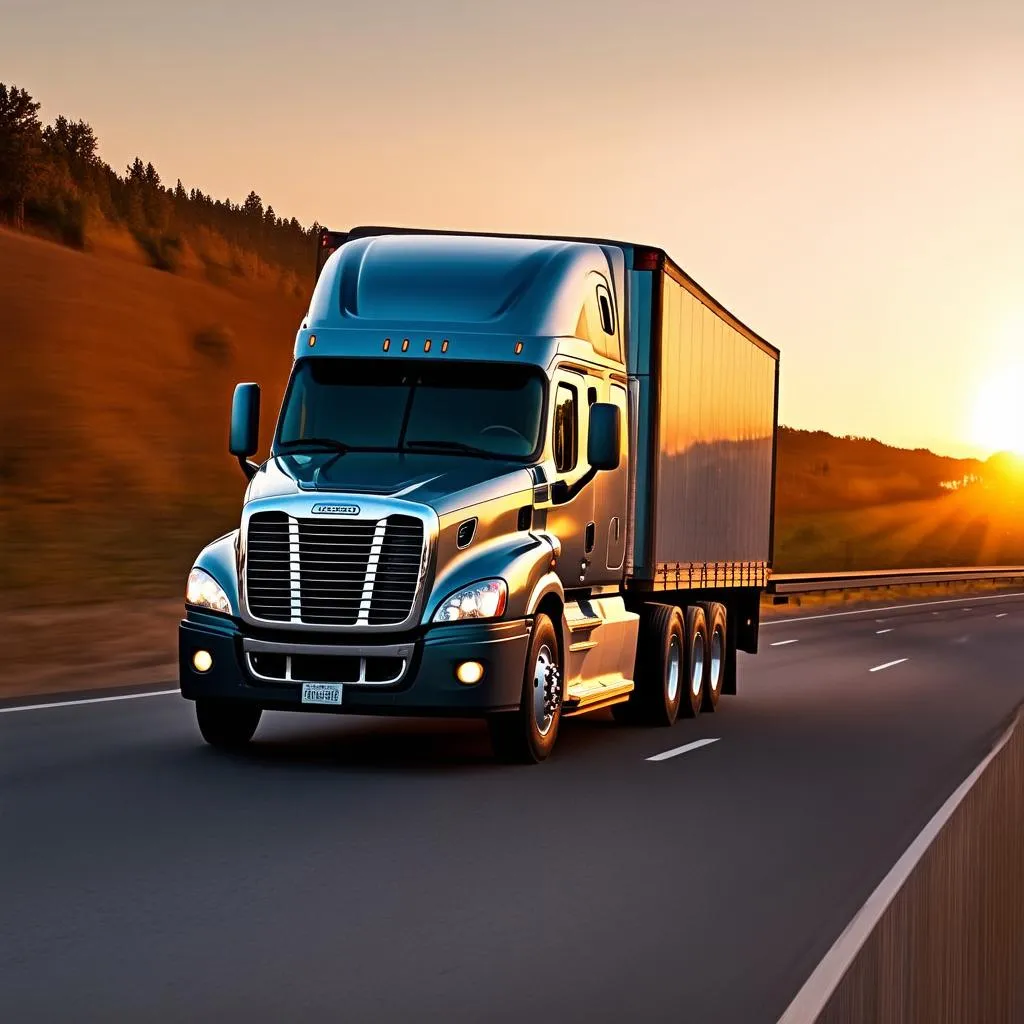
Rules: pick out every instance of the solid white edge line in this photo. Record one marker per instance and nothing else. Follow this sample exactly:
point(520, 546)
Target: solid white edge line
point(88, 700)
point(782, 643)
point(888, 664)
point(675, 751)
point(890, 608)
point(812, 998)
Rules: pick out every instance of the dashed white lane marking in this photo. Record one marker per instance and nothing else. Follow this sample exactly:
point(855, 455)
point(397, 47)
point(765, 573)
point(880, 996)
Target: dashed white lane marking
point(879, 632)
point(89, 700)
point(888, 664)
point(1002, 615)
point(890, 608)
point(812, 999)
point(676, 751)
point(782, 643)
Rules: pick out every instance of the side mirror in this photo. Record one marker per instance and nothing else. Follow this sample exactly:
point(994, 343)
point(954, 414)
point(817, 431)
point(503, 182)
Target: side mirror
point(604, 438)
point(245, 425)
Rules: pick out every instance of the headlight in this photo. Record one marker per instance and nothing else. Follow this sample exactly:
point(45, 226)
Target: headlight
point(204, 591)
point(483, 600)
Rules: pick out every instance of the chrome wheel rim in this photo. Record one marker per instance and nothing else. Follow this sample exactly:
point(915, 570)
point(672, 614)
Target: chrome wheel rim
point(716, 660)
point(547, 690)
point(675, 661)
point(697, 664)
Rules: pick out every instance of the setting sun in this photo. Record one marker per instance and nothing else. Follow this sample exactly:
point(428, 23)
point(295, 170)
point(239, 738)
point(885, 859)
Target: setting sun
point(998, 420)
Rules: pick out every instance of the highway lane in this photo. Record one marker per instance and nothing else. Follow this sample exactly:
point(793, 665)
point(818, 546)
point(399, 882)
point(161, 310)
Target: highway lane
point(387, 870)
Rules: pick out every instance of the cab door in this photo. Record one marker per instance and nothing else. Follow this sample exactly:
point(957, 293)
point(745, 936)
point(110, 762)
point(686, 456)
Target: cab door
point(611, 490)
point(572, 522)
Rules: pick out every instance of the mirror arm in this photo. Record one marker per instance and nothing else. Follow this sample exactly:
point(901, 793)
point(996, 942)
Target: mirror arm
point(250, 469)
point(561, 492)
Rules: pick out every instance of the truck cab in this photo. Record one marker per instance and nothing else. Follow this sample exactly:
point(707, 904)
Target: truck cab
point(446, 520)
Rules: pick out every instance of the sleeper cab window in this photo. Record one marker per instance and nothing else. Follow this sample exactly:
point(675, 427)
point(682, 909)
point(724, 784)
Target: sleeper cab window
point(566, 434)
point(604, 305)
point(608, 343)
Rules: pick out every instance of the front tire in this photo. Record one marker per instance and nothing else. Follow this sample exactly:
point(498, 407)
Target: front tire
point(527, 735)
point(227, 725)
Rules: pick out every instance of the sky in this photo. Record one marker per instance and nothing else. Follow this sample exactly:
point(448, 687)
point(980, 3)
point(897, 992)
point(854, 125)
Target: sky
point(846, 179)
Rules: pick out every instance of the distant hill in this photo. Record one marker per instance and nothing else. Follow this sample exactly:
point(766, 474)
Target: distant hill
point(818, 472)
point(848, 503)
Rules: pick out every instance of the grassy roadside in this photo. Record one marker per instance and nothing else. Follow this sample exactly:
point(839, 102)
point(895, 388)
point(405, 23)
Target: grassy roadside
point(854, 600)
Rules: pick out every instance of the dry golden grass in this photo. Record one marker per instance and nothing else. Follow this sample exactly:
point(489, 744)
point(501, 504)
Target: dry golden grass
point(113, 420)
point(976, 526)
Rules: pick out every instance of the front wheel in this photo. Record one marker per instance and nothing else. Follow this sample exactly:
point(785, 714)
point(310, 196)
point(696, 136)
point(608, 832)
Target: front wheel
point(527, 735)
point(225, 724)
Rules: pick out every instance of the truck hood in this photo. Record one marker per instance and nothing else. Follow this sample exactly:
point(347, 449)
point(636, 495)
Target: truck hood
point(444, 482)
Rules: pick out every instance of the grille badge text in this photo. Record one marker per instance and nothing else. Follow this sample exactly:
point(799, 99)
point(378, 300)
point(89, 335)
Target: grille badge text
point(336, 510)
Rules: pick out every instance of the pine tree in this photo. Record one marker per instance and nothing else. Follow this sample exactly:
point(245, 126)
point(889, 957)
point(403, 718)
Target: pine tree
point(73, 141)
point(20, 145)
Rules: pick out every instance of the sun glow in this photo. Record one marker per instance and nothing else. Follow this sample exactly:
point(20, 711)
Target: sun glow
point(998, 422)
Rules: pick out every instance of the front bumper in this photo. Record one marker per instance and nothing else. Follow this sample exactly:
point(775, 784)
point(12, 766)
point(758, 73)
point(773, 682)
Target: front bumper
point(429, 686)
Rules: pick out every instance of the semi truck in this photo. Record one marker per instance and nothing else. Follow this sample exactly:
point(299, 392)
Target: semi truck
point(514, 477)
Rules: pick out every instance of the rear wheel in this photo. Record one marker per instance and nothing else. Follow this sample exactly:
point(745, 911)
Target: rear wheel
point(715, 617)
point(527, 735)
point(694, 661)
point(658, 676)
point(225, 724)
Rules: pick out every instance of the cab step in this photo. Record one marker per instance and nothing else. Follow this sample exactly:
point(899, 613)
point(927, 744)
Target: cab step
point(594, 694)
point(578, 625)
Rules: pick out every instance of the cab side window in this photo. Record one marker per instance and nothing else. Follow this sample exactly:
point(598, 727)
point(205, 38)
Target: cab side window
point(566, 439)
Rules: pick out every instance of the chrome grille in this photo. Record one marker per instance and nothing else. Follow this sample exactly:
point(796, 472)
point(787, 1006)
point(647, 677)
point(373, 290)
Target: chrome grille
point(331, 572)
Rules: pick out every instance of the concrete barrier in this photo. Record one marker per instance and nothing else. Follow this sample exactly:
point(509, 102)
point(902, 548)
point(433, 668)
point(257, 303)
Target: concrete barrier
point(941, 940)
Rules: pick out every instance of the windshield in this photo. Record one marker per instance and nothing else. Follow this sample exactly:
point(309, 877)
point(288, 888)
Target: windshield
point(479, 409)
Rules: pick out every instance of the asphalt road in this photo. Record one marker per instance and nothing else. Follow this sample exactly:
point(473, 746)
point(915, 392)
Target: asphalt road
point(358, 869)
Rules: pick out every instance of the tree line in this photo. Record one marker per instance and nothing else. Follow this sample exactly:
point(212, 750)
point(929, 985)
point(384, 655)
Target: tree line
point(52, 180)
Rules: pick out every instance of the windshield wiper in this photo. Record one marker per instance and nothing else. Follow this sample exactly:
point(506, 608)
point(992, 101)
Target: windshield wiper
point(326, 443)
point(453, 446)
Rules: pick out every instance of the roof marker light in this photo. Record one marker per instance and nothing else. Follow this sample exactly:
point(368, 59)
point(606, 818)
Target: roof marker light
point(444, 345)
point(312, 340)
point(519, 347)
point(426, 345)
point(387, 344)
point(405, 344)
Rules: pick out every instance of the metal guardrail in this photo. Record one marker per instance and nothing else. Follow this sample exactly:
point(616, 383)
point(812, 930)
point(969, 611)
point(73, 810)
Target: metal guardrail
point(816, 582)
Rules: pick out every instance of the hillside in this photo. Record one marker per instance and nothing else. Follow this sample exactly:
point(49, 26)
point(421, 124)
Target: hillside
point(113, 416)
point(821, 473)
point(113, 427)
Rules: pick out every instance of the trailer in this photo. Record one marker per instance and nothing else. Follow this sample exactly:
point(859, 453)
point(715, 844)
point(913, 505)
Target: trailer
point(516, 477)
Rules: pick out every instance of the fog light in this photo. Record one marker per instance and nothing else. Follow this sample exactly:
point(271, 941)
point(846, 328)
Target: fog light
point(469, 672)
point(202, 661)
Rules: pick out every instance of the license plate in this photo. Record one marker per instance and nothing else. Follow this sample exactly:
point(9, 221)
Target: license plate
point(321, 693)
